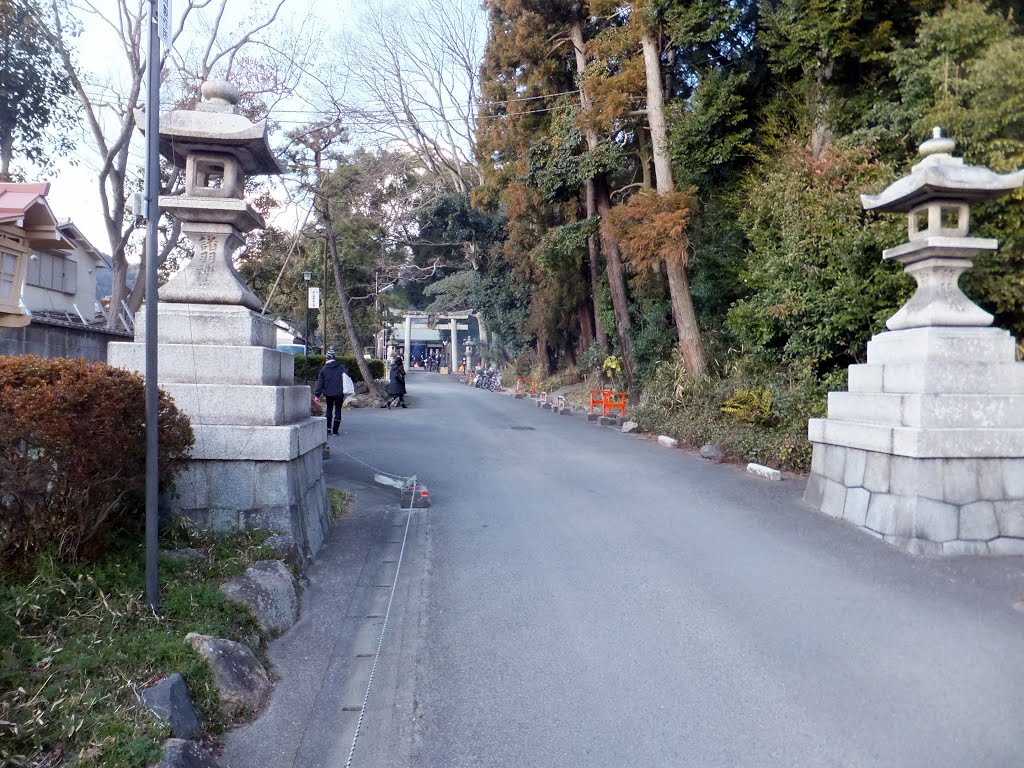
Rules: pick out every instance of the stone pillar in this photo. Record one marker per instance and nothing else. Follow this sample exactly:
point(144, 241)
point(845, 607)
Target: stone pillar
point(408, 340)
point(455, 345)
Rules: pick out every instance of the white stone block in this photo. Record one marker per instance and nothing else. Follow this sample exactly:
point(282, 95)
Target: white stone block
point(1013, 476)
point(209, 324)
point(1005, 546)
point(978, 522)
point(867, 437)
point(963, 411)
point(234, 442)
point(241, 404)
point(876, 471)
point(856, 510)
point(990, 478)
point(833, 500)
point(866, 408)
point(942, 345)
point(1011, 517)
point(767, 473)
point(935, 521)
point(916, 477)
point(889, 515)
point(957, 443)
point(960, 481)
point(668, 442)
point(814, 492)
point(977, 378)
point(865, 378)
point(923, 547)
point(818, 459)
point(964, 548)
point(856, 460)
point(195, 364)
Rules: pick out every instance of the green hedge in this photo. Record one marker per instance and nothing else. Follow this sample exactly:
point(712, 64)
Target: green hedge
point(316, 362)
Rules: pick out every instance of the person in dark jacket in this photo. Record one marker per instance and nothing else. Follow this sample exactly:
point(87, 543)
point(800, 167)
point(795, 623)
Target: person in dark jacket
point(330, 383)
point(396, 386)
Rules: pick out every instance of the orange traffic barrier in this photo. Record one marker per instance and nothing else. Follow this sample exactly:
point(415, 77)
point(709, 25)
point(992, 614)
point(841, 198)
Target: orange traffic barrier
point(531, 382)
point(608, 400)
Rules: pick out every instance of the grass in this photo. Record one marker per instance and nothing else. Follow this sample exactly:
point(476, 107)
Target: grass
point(340, 501)
point(77, 642)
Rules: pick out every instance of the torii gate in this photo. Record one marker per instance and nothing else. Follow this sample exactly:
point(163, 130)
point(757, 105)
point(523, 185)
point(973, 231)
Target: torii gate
point(451, 319)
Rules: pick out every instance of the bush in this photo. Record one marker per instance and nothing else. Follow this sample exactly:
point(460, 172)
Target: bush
point(316, 362)
point(755, 412)
point(73, 456)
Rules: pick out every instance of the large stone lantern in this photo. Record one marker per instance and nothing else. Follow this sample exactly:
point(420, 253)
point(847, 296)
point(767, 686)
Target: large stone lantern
point(257, 459)
point(926, 449)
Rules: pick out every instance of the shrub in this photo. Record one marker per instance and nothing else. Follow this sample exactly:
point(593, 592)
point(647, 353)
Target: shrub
point(73, 456)
point(316, 362)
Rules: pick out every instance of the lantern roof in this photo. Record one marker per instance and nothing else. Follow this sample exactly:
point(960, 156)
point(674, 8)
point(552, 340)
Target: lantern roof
point(215, 125)
point(941, 177)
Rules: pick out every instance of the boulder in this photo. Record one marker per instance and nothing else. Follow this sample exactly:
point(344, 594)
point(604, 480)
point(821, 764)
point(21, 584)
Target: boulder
point(712, 453)
point(362, 388)
point(668, 442)
point(169, 700)
point(188, 554)
point(241, 679)
point(286, 549)
point(179, 753)
point(268, 589)
point(358, 401)
point(630, 426)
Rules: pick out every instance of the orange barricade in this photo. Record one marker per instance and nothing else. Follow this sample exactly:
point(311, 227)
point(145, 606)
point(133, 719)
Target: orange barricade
point(608, 400)
point(615, 401)
point(531, 382)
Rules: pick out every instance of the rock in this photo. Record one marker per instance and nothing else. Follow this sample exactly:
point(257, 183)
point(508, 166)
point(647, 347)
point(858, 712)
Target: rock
point(762, 471)
point(712, 453)
point(668, 442)
point(268, 589)
point(593, 416)
point(362, 388)
point(286, 549)
point(169, 700)
point(179, 753)
point(630, 426)
point(187, 554)
point(358, 401)
point(241, 680)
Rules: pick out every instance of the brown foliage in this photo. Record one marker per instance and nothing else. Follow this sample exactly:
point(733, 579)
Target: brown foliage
point(73, 455)
point(651, 228)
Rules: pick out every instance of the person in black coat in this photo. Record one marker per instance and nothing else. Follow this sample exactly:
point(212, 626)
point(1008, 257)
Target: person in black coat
point(396, 385)
point(330, 383)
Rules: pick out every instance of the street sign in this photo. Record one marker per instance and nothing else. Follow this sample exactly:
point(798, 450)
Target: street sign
point(314, 298)
point(164, 22)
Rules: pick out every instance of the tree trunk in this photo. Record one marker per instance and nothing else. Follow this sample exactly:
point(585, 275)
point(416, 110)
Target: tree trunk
point(609, 245)
point(594, 262)
point(586, 327)
point(616, 279)
point(346, 309)
point(688, 332)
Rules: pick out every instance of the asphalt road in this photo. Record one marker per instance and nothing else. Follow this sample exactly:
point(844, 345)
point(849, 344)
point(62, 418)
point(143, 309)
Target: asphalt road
point(579, 597)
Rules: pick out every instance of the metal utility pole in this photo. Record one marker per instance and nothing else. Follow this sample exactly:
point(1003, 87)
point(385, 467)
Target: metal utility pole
point(307, 276)
point(152, 192)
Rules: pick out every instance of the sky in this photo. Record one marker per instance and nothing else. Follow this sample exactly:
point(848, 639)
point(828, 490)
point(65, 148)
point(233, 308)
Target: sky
point(74, 180)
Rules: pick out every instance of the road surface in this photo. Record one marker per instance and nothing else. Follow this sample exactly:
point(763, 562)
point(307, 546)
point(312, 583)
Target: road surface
point(576, 597)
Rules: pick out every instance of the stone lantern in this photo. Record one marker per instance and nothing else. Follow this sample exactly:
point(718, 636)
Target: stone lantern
point(926, 449)
point(258, 453)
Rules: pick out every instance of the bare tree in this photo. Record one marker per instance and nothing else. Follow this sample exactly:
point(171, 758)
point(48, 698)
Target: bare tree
point(413, 81)
point(110, 103)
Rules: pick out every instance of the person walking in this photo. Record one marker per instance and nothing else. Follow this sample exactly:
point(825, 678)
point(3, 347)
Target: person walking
point(396, 385)
point(331, 384)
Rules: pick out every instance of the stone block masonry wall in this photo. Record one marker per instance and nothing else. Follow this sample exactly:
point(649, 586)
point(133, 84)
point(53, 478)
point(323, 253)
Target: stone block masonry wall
point(930, 506)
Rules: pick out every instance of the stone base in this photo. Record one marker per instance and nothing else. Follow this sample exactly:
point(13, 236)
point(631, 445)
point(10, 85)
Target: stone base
point(933, 506)
point(288, 497)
